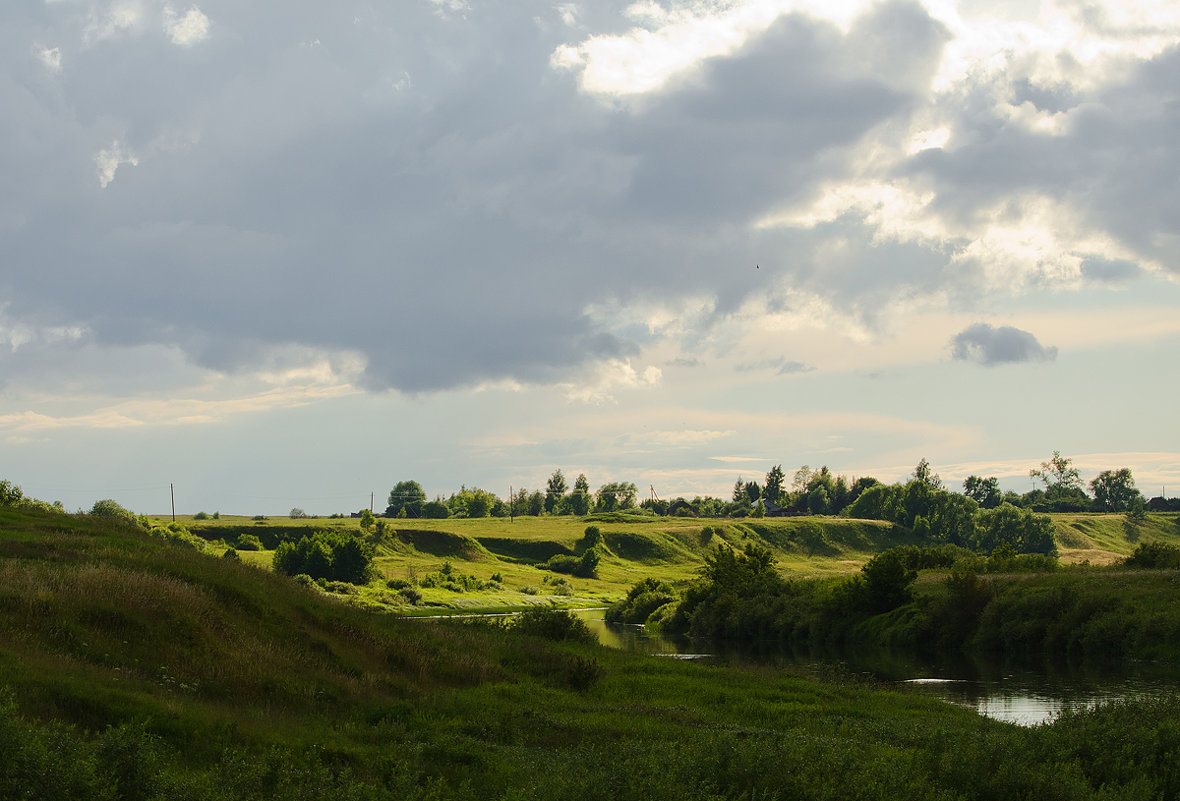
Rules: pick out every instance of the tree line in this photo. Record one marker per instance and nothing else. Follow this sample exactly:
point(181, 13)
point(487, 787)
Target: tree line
point(811, 492)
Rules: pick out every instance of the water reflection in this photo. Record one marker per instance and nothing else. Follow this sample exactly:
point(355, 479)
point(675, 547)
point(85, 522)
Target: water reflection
point(1022, 694)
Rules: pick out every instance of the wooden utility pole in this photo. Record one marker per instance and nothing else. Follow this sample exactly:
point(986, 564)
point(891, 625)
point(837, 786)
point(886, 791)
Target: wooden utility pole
point(172, 489)
point(511, 505)
point(370, 502)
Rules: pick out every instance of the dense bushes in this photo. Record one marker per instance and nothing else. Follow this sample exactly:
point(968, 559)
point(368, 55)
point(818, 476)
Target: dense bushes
point(942, 517)
point(326, 555)
point(642, 599)
point(1154, 555)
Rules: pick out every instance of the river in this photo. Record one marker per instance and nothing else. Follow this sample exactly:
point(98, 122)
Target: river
point(1017, 694)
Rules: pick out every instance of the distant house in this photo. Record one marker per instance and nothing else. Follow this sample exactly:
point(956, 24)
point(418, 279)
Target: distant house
point(772, 509)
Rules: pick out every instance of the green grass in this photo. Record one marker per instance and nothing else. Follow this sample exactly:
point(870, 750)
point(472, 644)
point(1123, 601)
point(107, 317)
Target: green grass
point(135, 669)
point(671, 549)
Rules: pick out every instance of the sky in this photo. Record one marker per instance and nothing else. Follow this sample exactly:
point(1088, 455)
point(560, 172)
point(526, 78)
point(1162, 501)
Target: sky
point(278, 255)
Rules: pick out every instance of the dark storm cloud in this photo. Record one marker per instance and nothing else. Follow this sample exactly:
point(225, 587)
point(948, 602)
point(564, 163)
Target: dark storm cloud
point(423, 190)
point(990, 346)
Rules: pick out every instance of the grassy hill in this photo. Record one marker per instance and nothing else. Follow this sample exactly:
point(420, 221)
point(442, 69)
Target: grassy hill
point(672, 549)
point(135, 669)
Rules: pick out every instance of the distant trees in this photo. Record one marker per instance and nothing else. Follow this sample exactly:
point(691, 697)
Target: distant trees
point(578, 501)
point(984, 491)
point(332, 556)
point(615, 495)
point(774, 484)
point(554, 491)
point(1114, 490)
point(405, 500)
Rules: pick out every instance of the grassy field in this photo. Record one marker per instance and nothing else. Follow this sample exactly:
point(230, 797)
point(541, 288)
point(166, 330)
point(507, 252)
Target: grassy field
point(135, 669)
point(672, 549)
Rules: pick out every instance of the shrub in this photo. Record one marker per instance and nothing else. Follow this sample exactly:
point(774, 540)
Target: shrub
point(249, 542)
point(232, 555)
point(411, 595)
point(1149, 555)
point(111, 510)
point(553, 624)
point(334, 556)
point(642, 599)
point(201, 516)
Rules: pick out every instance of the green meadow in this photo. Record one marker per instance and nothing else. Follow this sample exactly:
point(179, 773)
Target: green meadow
point(636, 547)
point(133, 668)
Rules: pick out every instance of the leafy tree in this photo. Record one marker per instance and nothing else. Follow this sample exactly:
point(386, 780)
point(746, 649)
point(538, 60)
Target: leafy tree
point(554, 490)
point(616, 495)
point(1059, 475)
point(435, 510)
point(367, 521)
point(332, 556)
point(887, 580)
point(753, 491)
point(297, 513)
point(774, 483)
point(1114, 490)
point(925, 475)
point(803, 478)
point(406, 496)
point(818, 502)
point(739, 491)
point(473, 502)
point(985, 491)
point(578, 501)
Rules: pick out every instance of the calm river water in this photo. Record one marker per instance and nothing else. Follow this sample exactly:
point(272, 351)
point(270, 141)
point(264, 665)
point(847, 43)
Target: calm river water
point(1022, 695)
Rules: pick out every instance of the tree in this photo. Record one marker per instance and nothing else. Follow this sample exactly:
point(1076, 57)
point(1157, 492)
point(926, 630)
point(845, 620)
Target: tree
point(366, 521)
point(578, 501)
point(616, 495)
point(985, 491)
point(888, 580)
point(297, 513)
point(1114, 491)
point(925, 475)
point(406, 496)
point(1059, 475)
point(774, 483)
point(554, 490)
point(739, 491)
point(818, 502)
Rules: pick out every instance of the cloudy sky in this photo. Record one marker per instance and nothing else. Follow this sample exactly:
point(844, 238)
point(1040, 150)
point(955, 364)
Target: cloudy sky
point(287, 254)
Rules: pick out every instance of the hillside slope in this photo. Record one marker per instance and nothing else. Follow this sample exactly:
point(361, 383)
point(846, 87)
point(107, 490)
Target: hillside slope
point(134, 669)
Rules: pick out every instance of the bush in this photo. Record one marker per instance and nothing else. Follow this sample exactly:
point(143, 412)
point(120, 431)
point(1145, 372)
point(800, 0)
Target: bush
point(111, 510)
point(249, 542)
point(553, 624)
point(334, 556)
point(1154, 555)
point(201, 516)
point(642, 599)
point(411, 595)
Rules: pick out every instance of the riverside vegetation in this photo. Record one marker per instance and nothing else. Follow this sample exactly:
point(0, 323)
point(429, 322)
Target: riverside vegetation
point(141, 665)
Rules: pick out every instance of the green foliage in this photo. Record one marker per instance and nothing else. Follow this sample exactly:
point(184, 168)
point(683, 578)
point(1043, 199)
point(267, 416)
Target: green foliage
point(1114, 490)
point(553, 624)
point(887, 581)
point(642, 600)
point(407, 497)
point(201, 516)
point(333, 556)
point(249, 542)
point(111, 510)
point(1154, 555)
point(435, 510)
point(176, 534)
